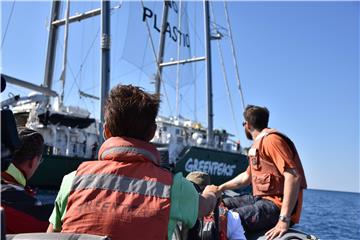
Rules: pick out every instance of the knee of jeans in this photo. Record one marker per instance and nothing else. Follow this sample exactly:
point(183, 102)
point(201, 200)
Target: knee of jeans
point(228, 203)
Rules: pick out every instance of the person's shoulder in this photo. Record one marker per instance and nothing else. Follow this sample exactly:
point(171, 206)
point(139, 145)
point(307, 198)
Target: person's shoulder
point(69, 176)
point(67, 182)
point(274, 137)
point(165, 171)
point(6, 186)
point(181, 184)
point(179, 179)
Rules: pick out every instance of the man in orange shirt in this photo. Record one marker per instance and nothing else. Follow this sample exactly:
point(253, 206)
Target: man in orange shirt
point(276, 175)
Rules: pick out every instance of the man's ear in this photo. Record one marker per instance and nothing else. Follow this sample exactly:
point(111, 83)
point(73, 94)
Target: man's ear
point(33, 162)
point(249, 126)
point(106, 132)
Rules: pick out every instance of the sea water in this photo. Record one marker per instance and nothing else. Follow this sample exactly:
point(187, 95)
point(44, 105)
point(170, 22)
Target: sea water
point(326, 214)
point(330, 214)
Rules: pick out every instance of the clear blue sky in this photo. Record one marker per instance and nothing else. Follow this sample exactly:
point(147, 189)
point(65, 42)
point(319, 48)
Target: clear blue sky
point(299, 59)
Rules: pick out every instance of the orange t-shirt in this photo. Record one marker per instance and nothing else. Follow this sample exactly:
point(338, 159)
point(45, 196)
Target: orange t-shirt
point(278, 150)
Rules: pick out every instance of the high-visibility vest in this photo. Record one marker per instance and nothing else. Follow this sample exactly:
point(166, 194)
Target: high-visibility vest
point(124, 195)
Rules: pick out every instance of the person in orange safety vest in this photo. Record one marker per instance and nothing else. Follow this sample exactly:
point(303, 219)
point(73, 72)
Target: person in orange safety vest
point(126, 194)
point(276, 174)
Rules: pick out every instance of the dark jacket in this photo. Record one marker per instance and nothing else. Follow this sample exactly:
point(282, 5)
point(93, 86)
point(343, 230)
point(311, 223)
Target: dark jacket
point(23, 211)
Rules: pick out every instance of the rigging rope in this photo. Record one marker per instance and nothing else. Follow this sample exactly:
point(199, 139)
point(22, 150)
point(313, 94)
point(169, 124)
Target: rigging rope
point(234, 55)
point(75, 77)
point(177, 86)
point(225, 77)
point(167, 98)
point(142, 66)
point(87, 54)
point(195, 85)
point(8, 23)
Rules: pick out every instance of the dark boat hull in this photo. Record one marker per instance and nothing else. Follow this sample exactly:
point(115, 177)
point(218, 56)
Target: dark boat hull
point(220, 165)
point(52, 170)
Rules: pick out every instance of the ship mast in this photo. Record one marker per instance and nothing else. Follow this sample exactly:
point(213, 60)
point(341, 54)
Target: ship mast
point(105, 59)
point(207, 58)
point(161, 47)
point(209, 133)
point(55, 23)
point(51, 49)
point(66, 37)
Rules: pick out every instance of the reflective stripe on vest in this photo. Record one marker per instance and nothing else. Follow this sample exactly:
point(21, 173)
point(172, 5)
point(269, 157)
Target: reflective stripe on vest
point(124, 150)
point(121, 184)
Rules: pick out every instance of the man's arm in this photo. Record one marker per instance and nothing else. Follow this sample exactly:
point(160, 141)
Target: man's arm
point(291, 190)
point(243, 179)
point(207, 200)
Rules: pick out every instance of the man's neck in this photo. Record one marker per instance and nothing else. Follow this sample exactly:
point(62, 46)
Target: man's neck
point(255, 134)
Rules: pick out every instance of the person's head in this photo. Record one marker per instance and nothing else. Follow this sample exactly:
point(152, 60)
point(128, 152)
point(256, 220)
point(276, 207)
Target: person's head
point(256, 118)
point(131, 112)
point(199, 179)
point(29, 156)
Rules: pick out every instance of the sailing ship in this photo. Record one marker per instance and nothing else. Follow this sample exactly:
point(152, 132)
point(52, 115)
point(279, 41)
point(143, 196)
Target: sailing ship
point(73, 136)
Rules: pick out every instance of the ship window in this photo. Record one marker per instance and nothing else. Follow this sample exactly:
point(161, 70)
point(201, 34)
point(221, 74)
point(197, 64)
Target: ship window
point(177, 131)
point(164, 129)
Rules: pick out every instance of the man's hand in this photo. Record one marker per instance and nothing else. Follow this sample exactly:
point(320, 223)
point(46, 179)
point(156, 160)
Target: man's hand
point(214, 189)
point(279, 230)
point(221, 188)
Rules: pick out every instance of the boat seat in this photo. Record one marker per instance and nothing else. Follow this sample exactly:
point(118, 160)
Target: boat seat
point(54, 236)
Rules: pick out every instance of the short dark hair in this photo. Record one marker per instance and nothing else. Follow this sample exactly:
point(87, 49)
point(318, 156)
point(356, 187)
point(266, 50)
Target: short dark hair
point(32, 145)
point(257, 116)
point(130, 111)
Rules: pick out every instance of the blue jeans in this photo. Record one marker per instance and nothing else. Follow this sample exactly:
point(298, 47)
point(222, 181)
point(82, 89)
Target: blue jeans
point(256, 213)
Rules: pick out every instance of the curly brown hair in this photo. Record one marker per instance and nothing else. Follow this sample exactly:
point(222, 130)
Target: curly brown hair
point(130, 111)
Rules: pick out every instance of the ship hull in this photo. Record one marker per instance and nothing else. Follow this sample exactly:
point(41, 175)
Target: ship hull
point(52, 170)
point(220, 165)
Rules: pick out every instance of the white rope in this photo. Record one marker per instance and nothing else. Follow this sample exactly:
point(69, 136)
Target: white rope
point(8, 23)
point(234, 55)
point(177, 87)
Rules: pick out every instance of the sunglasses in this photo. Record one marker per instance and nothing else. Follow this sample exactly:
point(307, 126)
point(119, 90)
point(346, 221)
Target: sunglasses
point(244, 123)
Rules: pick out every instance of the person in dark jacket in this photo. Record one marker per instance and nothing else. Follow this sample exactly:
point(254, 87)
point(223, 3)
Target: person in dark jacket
point(23, 211)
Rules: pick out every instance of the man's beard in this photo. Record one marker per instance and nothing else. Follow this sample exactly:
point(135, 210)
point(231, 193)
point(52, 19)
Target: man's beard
point(248, 134)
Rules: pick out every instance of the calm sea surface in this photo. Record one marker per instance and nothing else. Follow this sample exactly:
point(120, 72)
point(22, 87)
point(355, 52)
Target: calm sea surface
point(331, 215)
point(326, 214)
